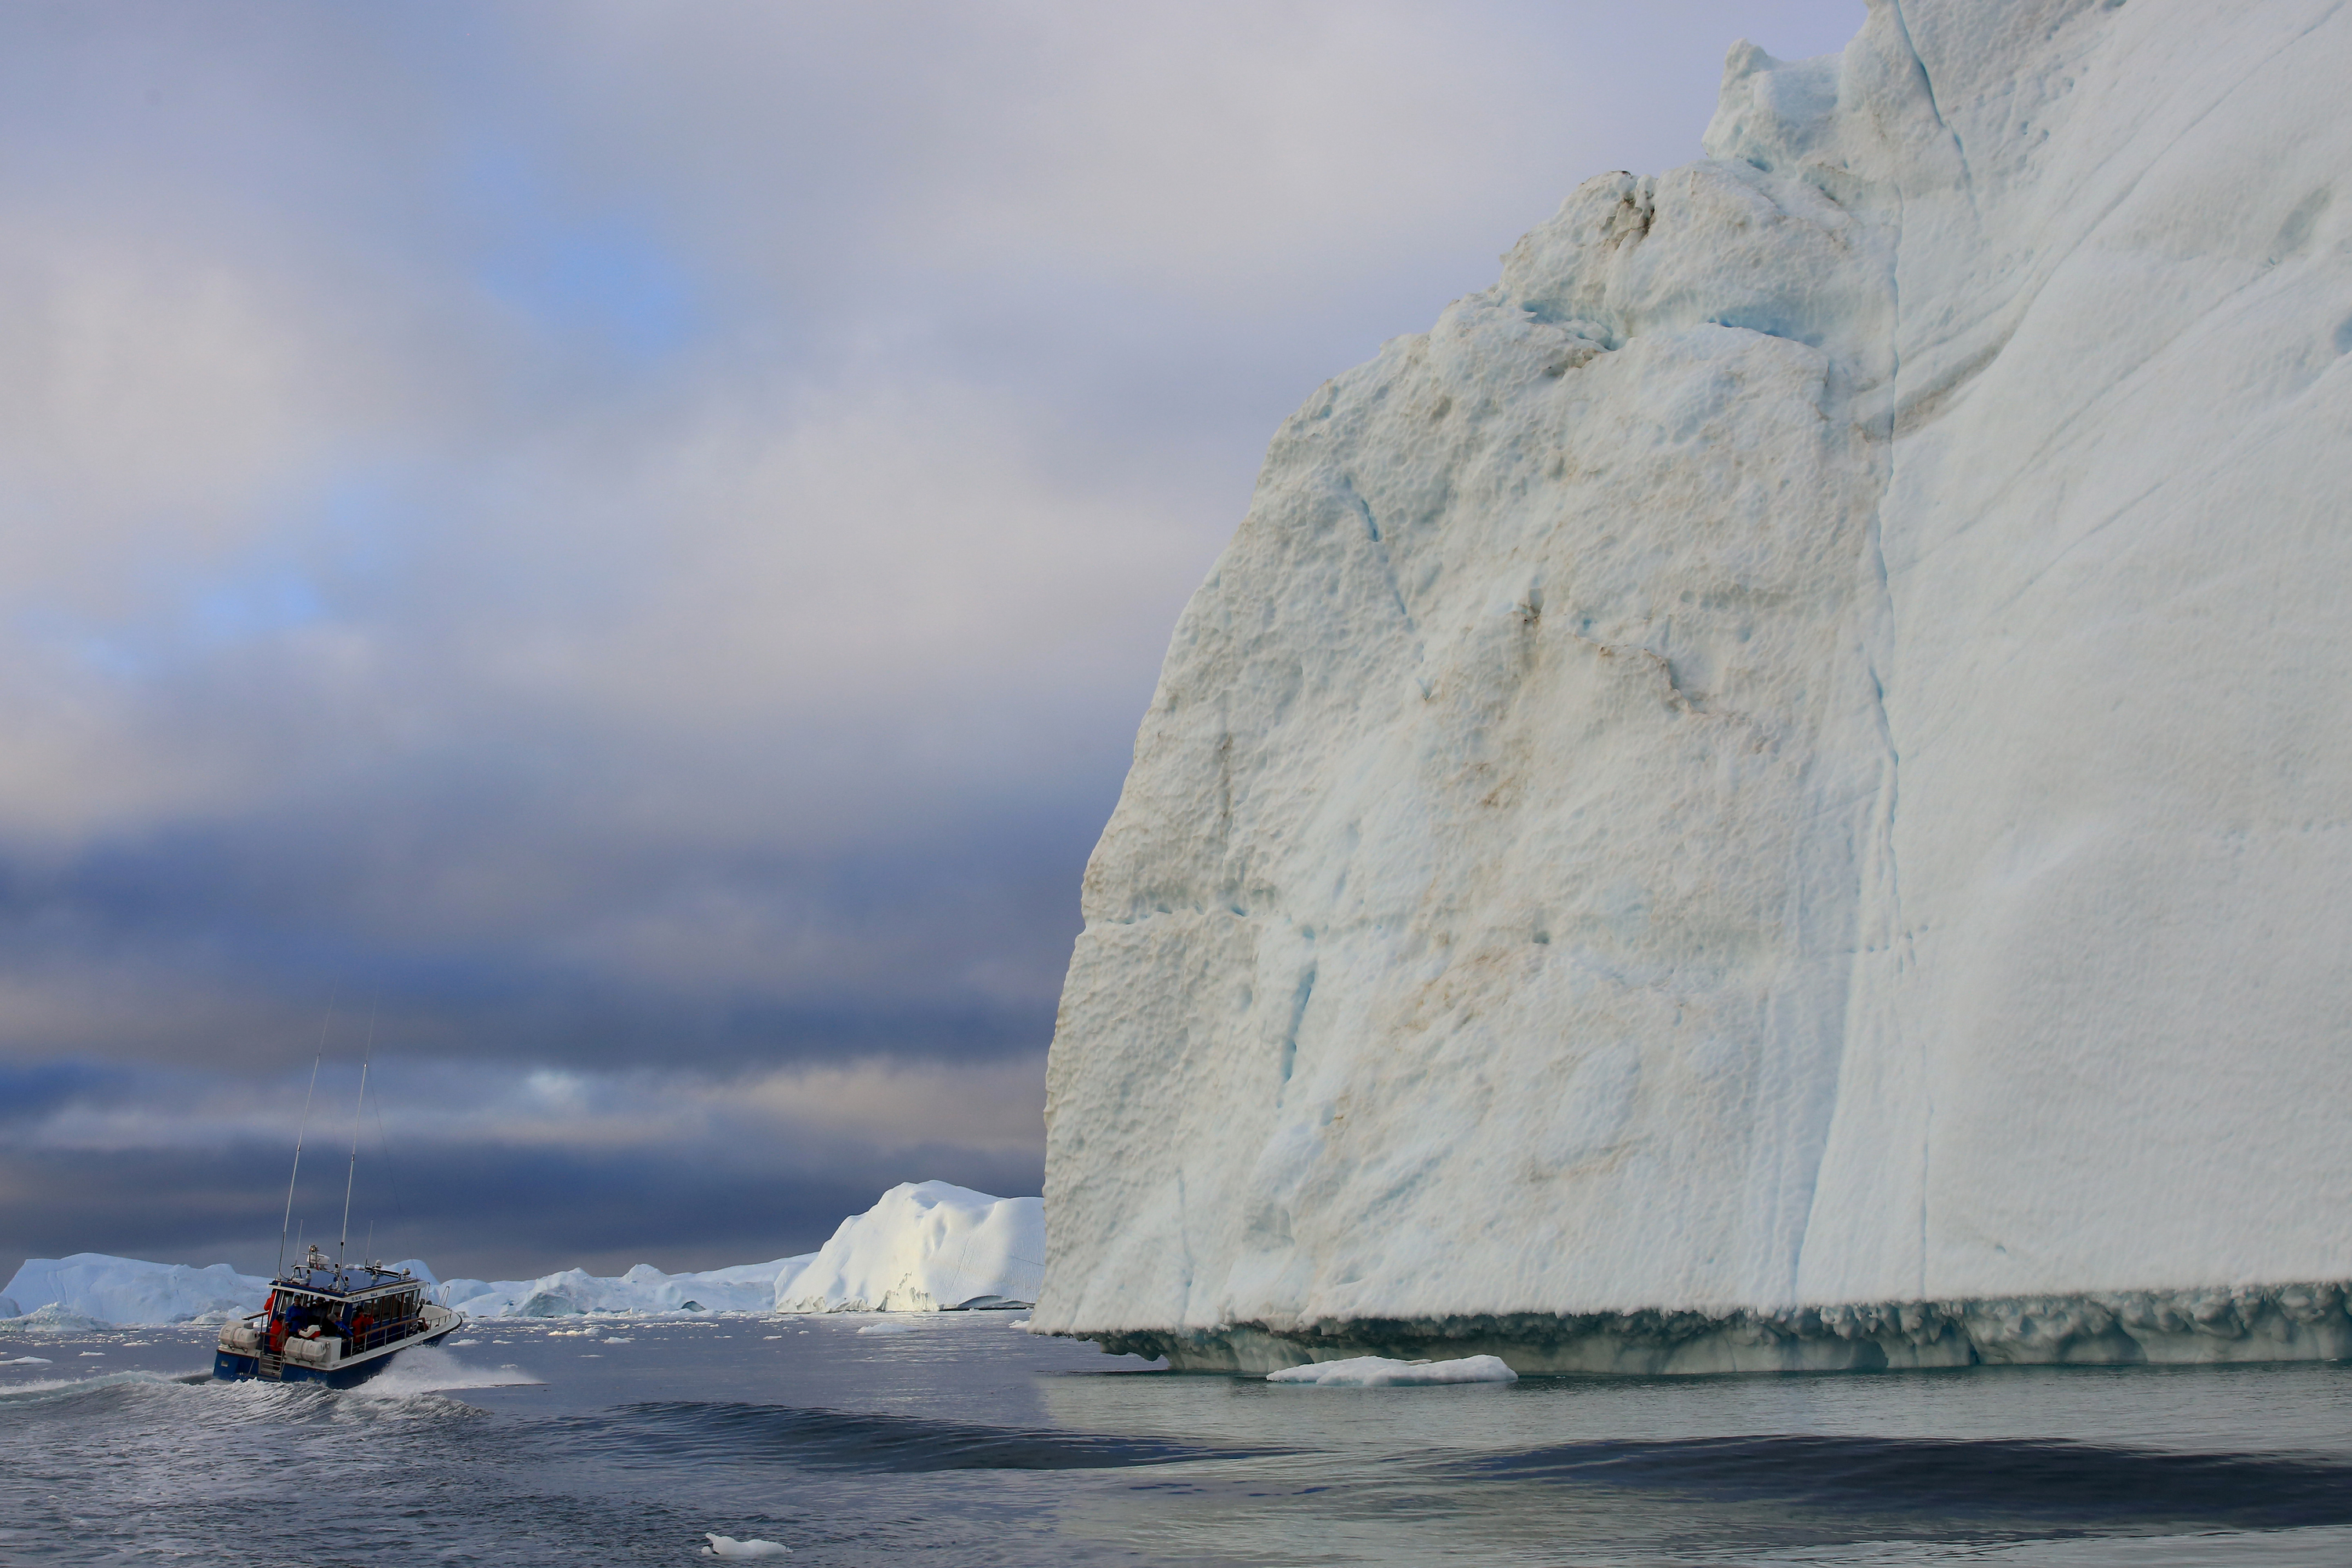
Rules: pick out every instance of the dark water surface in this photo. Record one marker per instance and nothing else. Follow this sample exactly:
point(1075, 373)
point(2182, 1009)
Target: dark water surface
point(963, 1441)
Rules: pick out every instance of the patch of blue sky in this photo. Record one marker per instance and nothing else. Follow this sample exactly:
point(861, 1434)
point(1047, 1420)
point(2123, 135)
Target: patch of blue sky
point(591, 279)
point(269, 603)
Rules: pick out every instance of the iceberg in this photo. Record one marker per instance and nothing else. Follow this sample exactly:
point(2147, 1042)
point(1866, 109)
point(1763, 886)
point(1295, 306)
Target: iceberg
point(1768, 792)
point(744, 1288)
point(93, 1288)
point(925, 1247)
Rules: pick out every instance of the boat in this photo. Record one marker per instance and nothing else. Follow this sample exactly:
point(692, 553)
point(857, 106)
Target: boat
point(325, 1323)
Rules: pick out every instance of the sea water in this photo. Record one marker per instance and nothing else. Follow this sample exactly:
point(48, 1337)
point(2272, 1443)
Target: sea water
point(965, 1441)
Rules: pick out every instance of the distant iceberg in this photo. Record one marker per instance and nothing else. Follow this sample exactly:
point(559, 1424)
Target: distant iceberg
point(925, 1247)
point(92, 1287)
point(744, 1288)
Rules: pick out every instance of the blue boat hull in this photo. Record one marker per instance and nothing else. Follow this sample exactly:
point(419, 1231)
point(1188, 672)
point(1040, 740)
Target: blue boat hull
point(230, 1367)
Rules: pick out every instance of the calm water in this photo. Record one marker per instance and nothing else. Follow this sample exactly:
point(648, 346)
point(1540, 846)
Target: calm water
point(964, 1442)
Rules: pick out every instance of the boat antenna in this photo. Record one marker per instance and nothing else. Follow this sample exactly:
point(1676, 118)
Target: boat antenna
point(353, 1174)
point(301, 1127)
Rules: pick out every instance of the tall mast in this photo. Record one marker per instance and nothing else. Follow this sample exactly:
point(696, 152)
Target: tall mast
point(352, 1174)
point(301, 1127)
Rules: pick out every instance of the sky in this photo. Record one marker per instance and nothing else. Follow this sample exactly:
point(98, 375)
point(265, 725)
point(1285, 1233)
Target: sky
point(604, 558)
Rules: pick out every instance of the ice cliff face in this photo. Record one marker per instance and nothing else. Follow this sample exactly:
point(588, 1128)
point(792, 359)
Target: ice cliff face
point(1791, 755)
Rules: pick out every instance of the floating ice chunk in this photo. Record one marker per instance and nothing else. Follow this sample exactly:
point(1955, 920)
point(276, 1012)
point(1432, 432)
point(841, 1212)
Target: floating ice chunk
point(26, 1360)
point(620, 1342)
point(1380, 1372)
point(93, 1352)
point(727, 1546)
point(58, 1318)
point(460, 1344)
point(882, 1329)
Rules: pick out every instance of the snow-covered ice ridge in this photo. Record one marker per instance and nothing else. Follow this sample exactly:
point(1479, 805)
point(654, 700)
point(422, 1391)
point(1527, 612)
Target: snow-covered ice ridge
point(924, 1246)
point(1770, 790)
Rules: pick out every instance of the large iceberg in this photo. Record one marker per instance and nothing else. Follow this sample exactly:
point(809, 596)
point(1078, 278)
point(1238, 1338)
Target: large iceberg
point(923, 1247)
point(1772, 791)
point(107, 1290)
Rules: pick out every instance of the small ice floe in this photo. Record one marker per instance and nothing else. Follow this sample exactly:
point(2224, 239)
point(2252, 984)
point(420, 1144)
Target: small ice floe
point(460, 1344)
point(25, 1361)
point(93, 1352)
point(621, 1342)
point(1018, 1323)
point(727, 1546)
point(1379, 1371)
point(886, 1329)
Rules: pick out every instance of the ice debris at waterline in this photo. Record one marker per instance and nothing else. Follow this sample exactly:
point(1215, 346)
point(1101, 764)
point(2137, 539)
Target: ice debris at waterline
point(729, 1546)
point(1380, 1372)
point(923, 1247)
point(1769, 793)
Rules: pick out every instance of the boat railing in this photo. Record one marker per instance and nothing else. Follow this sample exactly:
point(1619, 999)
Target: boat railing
point(379, 1335)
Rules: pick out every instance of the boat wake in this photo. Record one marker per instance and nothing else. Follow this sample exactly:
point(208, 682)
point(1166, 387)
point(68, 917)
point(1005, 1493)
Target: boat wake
point(429, 1369)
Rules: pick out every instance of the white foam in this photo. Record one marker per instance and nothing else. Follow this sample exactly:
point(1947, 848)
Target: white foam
point(430, 1368)
point(886, 1329)
point(1379, 1371)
